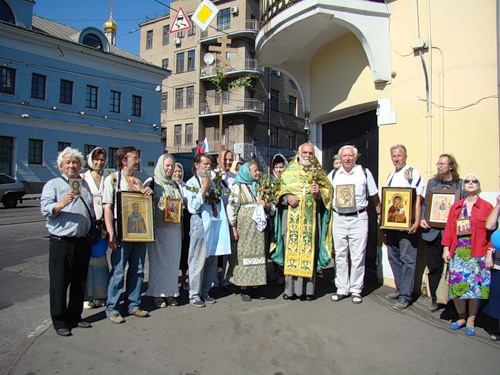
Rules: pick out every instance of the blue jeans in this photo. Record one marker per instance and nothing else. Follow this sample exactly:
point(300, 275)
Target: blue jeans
point(202, 270)
point(402, 254)
point(134, 253)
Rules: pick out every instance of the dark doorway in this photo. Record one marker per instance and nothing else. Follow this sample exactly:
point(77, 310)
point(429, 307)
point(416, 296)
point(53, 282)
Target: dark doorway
point(360, 131)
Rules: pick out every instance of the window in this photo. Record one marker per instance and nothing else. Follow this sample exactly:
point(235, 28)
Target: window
point(92, 40)
point(177, 135)
point(179, 34)
point(62, 145)
point(136, 105)
point(111, 157)
point(91, 97)
point(38, 82)
point(180, 63)
point(191, 60)
point(8, 81)
point(292, 105)
point(192, 30)
point(291, 140)
point(139, 156)
point(275, 100)
point(225, 97)
point(274, 137)
point(189, 134)
point(164, 63)
point(115, 100)
point(166, 35)
point(149, 39)
point(275, 72)
point(164, 101)
point(190, 96)
point(87, 149)
point(224, 19)
point(35, 151)
point(179, 98)
point(66, 92)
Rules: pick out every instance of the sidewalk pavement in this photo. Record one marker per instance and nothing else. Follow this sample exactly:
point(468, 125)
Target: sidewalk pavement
point(272, 336)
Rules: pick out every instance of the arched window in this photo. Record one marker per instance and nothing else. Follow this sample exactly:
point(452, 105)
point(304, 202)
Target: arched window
point(92, 40)
point(6, 14)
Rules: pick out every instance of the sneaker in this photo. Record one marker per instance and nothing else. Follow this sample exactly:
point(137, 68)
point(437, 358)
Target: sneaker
point(209, 300)
point(433, 307)
point(116, 318)
point(140, 313)
point(245, 297)
point(160, 302)
point(401, 304)
point(196, 302)
point(392, 296)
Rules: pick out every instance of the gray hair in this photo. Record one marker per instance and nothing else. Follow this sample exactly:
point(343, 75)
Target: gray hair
point(71, 153)
point(354, 149)
point(402, 147)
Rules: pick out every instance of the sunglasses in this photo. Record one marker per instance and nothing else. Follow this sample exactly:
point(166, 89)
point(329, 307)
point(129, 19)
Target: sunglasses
point(466, 181)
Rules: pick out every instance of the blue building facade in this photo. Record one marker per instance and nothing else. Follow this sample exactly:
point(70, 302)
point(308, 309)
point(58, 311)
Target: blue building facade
point(64, 87)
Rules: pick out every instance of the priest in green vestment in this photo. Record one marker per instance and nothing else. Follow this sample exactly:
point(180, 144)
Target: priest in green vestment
point(303, 226)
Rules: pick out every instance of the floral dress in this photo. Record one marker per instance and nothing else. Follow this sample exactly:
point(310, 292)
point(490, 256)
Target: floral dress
point(469, 278)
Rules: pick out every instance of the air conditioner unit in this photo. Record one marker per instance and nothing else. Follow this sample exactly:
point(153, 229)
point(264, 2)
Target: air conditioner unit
point(233, 10)
point(177, 41)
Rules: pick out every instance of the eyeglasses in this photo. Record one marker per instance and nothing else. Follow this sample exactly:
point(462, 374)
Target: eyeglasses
point(135, 158)
point(474, 181)
point(441, 164)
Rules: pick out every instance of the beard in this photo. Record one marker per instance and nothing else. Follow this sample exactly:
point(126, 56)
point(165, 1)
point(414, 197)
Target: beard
point(305, 162)
point(442, 177)
point(203, 174)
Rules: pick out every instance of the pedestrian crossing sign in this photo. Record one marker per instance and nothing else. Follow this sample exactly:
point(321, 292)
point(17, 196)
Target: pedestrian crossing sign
point(204, 14)
point(181, 22)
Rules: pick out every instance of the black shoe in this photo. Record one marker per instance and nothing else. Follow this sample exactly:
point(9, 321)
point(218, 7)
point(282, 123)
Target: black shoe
point(63, 332)
point(309, 297)
point(287, 297)
point(83, 324)
point(214, 292)
point(172, 301)
point(433, 307)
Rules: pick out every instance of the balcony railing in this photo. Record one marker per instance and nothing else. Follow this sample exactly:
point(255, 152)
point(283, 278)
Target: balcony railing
point(237, 65)
point(251, 25)
point(248, 105)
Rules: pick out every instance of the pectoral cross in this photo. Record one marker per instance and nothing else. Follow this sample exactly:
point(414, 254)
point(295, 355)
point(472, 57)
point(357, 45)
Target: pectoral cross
point(313, 171)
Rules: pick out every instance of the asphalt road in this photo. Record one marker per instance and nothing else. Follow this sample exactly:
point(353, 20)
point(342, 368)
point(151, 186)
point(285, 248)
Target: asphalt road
point(24, 308)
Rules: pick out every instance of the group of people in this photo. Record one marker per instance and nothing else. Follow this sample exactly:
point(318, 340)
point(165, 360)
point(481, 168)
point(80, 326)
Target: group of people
point(236, 219)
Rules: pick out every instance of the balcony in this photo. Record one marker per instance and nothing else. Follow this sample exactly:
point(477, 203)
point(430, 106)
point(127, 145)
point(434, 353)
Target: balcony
point(252, 107)
point(237, 68)
point(249, 30)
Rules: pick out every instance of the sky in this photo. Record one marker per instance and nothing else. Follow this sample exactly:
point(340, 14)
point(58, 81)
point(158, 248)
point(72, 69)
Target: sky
point(128, 14)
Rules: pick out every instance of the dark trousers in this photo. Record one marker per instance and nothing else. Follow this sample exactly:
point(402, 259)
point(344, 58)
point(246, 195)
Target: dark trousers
point(434, 263)
point(68, 266)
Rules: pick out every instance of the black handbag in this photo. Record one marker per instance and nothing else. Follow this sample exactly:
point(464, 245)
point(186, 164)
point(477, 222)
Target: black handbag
point(95, 232)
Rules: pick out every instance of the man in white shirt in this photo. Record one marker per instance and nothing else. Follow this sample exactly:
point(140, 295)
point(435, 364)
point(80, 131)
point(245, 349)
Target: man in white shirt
point(352, 185)
point(402, 245)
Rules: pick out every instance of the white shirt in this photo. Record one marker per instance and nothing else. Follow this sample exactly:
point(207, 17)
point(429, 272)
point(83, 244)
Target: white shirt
point(360, 181)
point(398, 179)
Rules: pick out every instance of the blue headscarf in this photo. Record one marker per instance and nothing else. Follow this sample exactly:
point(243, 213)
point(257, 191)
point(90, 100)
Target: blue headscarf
point(245, 177)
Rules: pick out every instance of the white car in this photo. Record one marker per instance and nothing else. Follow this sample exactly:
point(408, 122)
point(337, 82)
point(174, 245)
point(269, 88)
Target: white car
point(11, 190)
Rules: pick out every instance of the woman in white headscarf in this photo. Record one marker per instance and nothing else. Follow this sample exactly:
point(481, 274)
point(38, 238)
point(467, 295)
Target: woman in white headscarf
point(178, 177)
point(98, 274)
point(165, 253)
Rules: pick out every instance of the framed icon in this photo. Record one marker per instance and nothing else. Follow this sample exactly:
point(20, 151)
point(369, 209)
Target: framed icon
point(438, 206)
point(172, 209)
point(135, 217)
point(75, 186)
point(397, 208)
point(108, 171)
point(344, 196)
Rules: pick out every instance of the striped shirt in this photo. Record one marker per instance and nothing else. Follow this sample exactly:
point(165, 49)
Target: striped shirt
point(74, 219)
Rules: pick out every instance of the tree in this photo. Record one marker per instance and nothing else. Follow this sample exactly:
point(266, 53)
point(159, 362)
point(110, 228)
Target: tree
point(223, 84)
